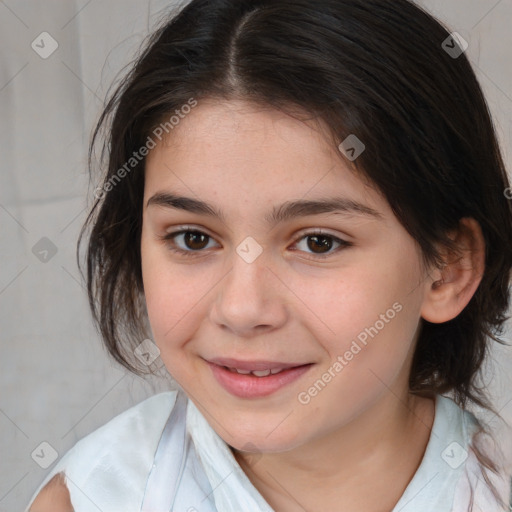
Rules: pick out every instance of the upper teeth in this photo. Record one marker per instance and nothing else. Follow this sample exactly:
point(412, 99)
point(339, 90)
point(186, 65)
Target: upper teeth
point(258, 373)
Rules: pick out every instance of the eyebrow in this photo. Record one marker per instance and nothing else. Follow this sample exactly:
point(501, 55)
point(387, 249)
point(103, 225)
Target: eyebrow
point(282, 213)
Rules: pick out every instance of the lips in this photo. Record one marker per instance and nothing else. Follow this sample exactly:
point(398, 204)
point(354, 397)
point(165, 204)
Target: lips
point(252, 366)
point(255, 379)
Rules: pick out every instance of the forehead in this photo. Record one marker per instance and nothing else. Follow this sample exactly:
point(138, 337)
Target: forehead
point(224, 129)
point(244, 152)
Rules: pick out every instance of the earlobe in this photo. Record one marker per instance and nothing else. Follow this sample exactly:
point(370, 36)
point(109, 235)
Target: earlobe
point(450, 288)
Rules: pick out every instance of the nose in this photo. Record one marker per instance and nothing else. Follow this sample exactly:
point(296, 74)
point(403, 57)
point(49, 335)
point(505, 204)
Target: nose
point(250, 299)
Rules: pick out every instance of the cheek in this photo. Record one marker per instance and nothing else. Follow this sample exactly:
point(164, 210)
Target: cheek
point(173, 297)
point(374, 317)
point(369, 313)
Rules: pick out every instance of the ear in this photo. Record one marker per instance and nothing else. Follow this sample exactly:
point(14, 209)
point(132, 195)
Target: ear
point(451, 288)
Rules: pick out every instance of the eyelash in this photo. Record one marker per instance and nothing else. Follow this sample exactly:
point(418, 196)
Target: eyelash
point(190, 253)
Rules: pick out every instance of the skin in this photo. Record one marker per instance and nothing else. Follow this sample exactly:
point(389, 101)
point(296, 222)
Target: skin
point(289, 304)
point(54, 497)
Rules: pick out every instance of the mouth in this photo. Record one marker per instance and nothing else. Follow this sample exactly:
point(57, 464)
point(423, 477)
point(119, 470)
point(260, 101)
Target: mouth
point(255, 379)
point(257, 373)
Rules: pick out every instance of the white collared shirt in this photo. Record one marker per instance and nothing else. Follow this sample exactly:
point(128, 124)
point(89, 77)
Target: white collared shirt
point(149, 460)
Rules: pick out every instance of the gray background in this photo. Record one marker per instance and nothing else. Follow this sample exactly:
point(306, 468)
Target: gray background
point(56, 382)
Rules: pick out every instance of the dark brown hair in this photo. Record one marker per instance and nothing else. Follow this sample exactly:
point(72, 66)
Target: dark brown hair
point(374, 68)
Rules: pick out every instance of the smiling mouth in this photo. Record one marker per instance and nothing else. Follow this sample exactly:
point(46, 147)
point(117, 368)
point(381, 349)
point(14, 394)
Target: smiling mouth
point(257, 373)
point(255, 379)
point(259, 368)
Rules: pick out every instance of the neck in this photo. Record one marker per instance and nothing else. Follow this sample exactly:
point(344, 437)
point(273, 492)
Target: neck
point(365, 465)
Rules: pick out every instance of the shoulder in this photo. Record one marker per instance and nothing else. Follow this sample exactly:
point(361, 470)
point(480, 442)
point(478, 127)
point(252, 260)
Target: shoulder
point(483, 449)
point(143, 418)
point(113, 460)
point(54, 497)
point(141, 424)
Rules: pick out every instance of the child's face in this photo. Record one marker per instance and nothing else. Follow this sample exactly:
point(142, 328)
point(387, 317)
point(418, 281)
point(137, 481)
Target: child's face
point(289, 305)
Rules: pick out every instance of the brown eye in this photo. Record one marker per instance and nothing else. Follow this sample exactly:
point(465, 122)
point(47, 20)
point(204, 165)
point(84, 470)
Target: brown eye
point(320, 243)
point(195, 240)
point(187, 242)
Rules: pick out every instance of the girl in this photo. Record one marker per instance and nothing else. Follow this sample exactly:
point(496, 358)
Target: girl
point(305, 208)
